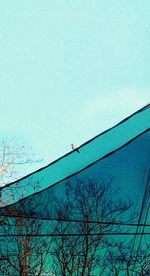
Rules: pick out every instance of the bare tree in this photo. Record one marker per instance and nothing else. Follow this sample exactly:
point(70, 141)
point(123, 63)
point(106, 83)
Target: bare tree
point(122, 259)
point(24, 253)
point(77, 221)
point(13, 156)
point(84, 201)
point(14, 159)
point(20, 255)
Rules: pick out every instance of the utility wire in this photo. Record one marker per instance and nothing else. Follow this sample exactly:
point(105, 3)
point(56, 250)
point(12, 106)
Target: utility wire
point(82, 221)
point(74, 235)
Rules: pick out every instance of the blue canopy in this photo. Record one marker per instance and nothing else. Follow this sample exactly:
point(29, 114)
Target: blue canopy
point(96, 199)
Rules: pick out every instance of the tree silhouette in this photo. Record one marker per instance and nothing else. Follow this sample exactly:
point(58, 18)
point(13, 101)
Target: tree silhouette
point(87, 200)
point(23, 254)
point(74, 236)
point(13, 155)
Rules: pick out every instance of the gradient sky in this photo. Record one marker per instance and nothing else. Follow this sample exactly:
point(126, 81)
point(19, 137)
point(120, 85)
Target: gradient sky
point(71, 69)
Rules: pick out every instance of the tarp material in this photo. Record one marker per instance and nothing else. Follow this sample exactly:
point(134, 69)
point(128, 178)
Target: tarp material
point(106, 184)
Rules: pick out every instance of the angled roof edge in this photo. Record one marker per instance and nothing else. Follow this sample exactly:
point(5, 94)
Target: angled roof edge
point(91, 151)
point(76, 173)
point(70, 152)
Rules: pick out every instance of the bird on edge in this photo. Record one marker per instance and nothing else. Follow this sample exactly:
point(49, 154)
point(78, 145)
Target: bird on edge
point(74, 148)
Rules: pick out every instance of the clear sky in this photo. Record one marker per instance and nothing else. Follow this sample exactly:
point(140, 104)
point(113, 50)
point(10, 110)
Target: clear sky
point(71, 69)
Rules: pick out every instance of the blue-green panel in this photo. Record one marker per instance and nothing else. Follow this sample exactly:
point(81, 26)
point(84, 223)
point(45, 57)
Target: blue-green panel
point(93, 202)
point(90, 152)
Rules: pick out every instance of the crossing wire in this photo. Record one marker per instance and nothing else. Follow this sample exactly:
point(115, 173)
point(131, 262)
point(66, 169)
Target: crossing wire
point(74, 234)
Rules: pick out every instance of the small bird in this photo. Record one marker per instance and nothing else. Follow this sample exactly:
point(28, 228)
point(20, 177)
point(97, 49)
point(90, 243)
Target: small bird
point(74, 148)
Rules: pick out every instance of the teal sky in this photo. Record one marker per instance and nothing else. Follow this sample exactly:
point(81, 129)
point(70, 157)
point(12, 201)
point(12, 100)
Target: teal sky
point(71, 69)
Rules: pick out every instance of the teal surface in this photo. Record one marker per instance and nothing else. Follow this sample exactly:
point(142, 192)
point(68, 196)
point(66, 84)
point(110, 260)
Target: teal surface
point(102, 192)
point(90, 152)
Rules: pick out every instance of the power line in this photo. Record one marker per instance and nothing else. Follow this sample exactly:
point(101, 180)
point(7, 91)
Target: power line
point(74, 234)
point(83, 221)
